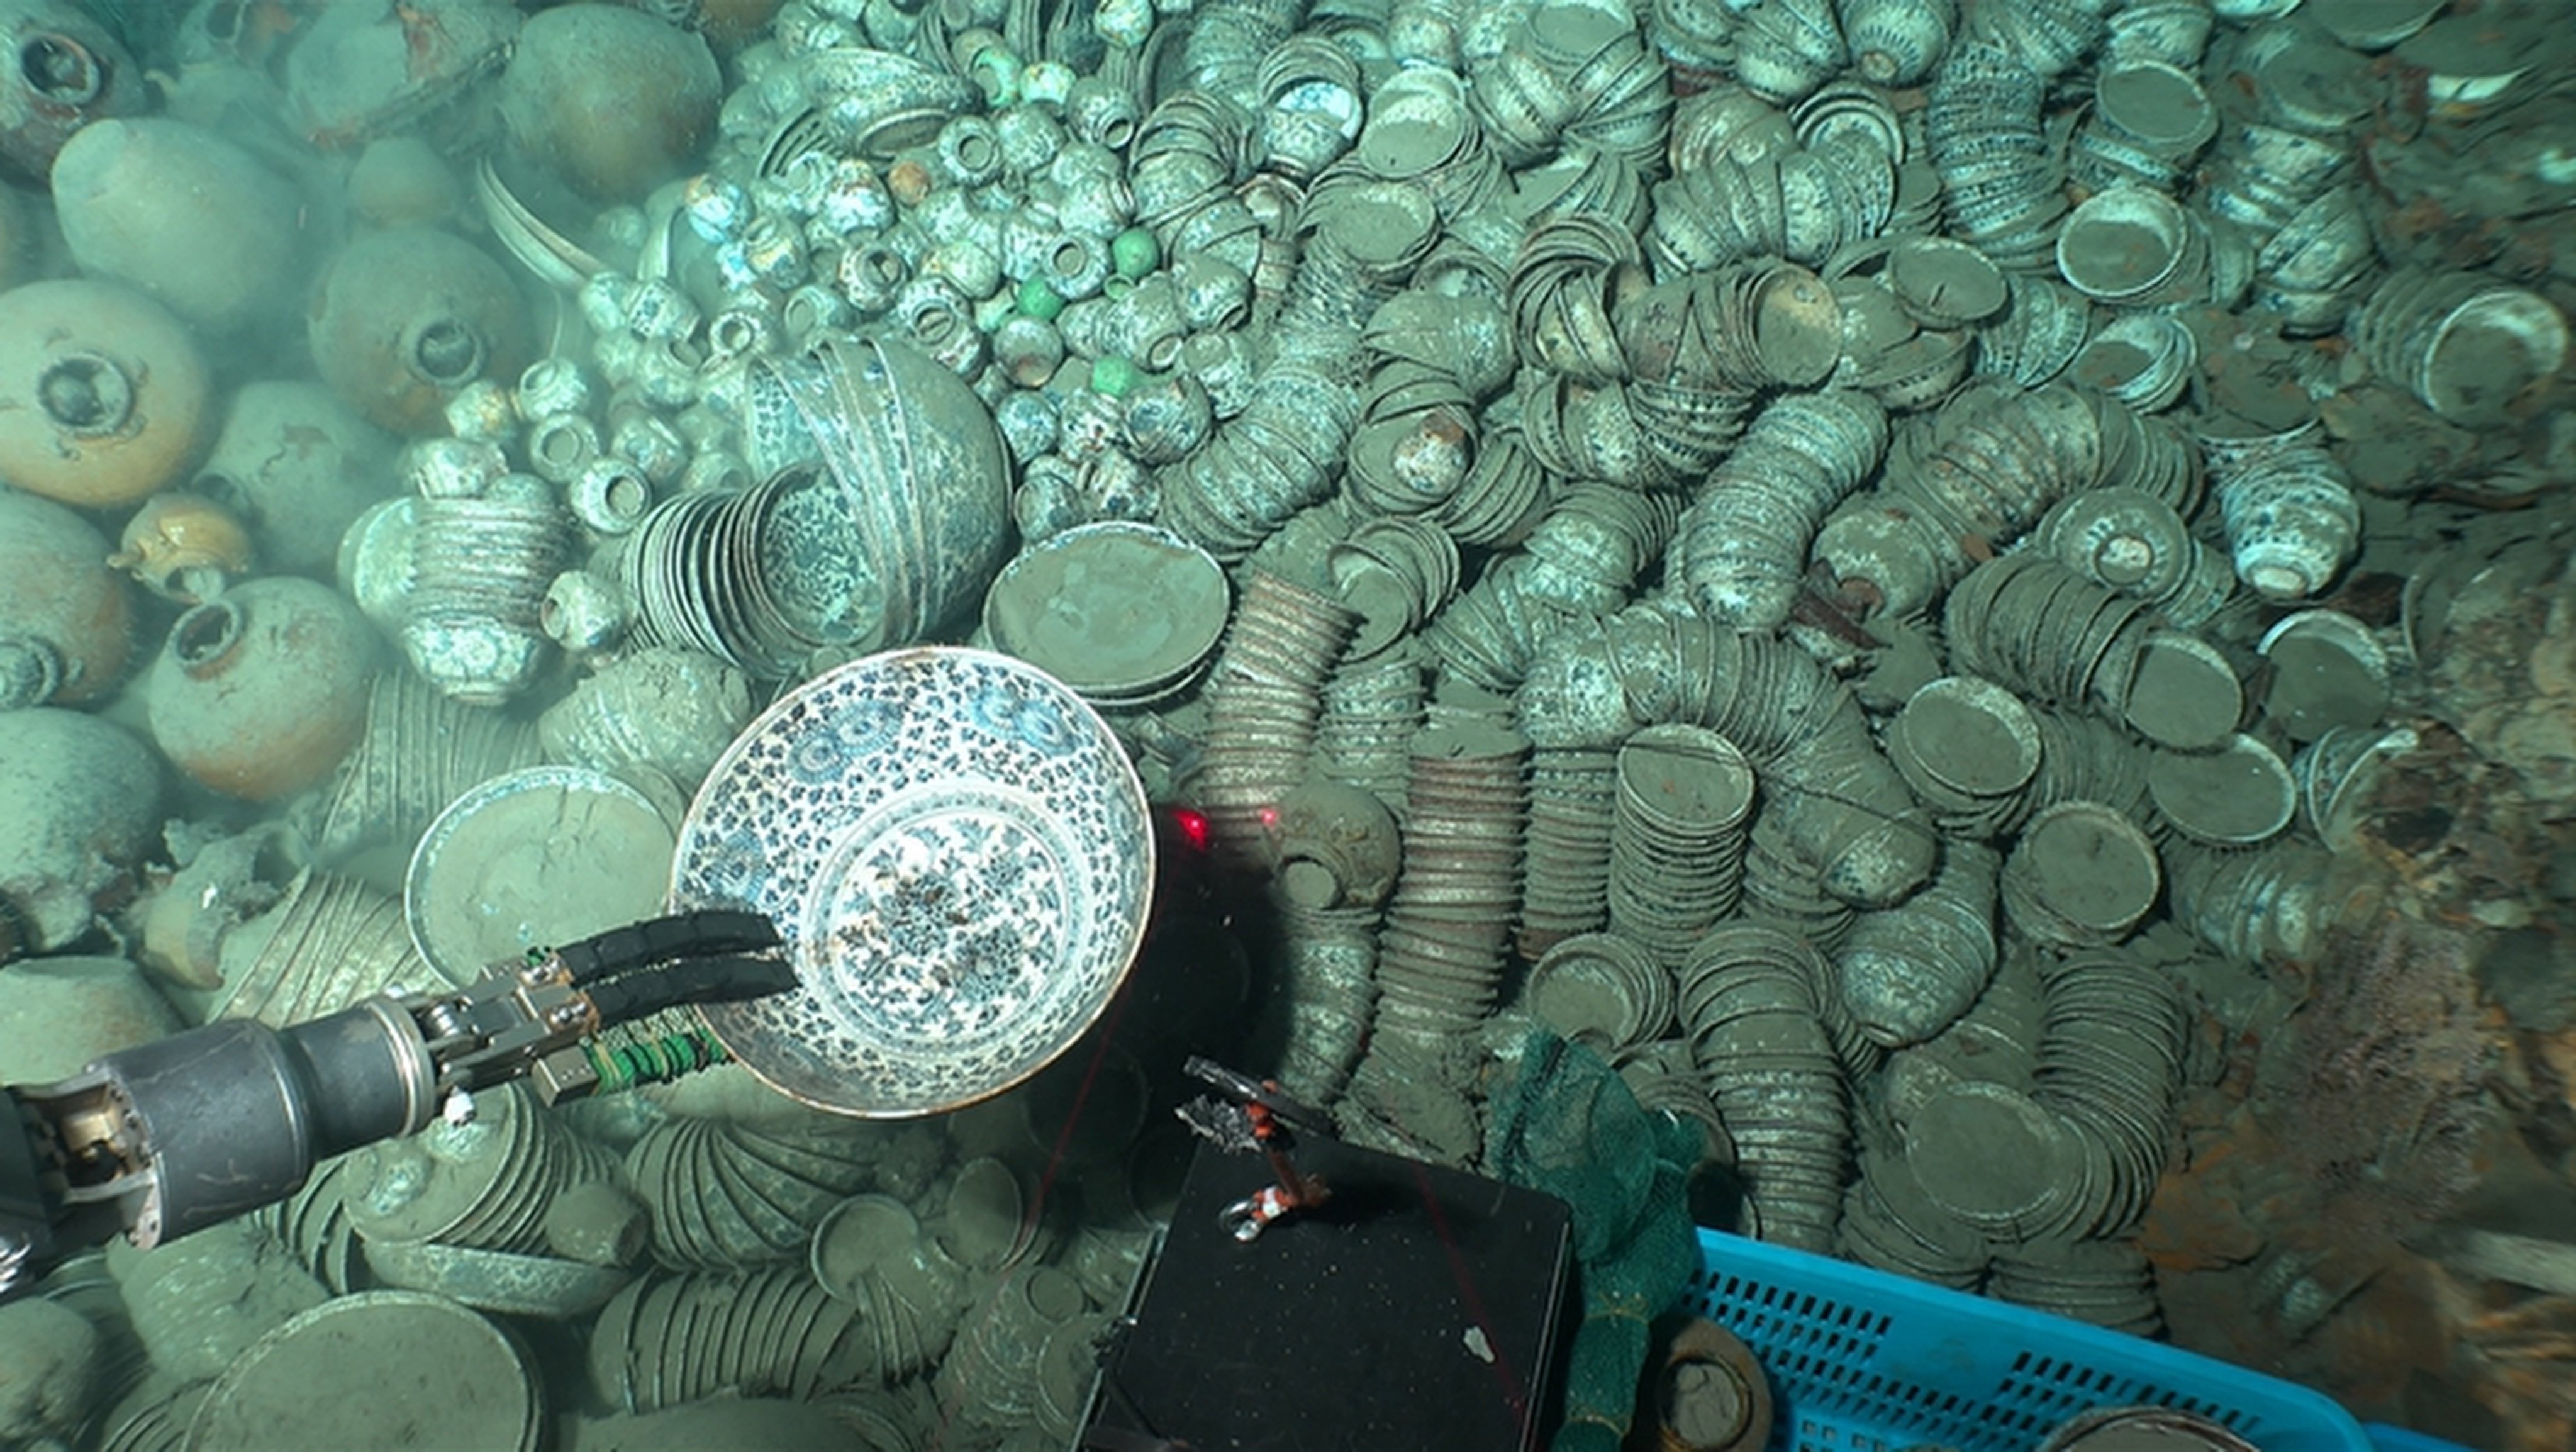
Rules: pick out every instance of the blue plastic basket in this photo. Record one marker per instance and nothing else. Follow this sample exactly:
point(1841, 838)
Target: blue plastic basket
point(1864, 1361)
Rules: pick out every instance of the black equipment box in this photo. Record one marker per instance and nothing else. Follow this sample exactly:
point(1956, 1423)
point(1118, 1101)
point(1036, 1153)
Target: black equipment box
point(1420, 1309)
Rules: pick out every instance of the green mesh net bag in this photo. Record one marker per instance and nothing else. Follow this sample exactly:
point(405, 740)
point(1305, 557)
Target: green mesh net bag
point(1565, 1123)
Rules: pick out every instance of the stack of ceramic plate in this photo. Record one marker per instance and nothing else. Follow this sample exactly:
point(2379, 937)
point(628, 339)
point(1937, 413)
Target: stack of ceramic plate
point(872, 1253)
point(420, 750)
point(1325, 989)
point(761, 579)
point(1440, 954)
point(1741, 548)
point(2082, 759)
point(1488, 635)
point(378, 1369)
point(2110, 1062)
point(489, 879)
point(1665, 1081)
point(1890, 1223)
point(1998, 1161)
point(1502, 493)
point(2037, 334)
point(992, 1377)
point(1263, 704)
point(502, 1282)
point(2025, 621)
point(985, 1222)
point(1748, 999)
point(718, 1202)
point(2241, 794)
point(1566, 889)
point(195, 1304)
point(1396, 572)
point(2081, 875)
point(1371, 711)
point(1909, 971)
point(484, 1183)
point(665, 1340)
point(315, 1227)
point(1781, 885)
point(333, 941)
point(1123, 613)
point(959, 859)
point(1677, 828)
point(1603, 990)
point(1967, 747)
point(2106, 1282)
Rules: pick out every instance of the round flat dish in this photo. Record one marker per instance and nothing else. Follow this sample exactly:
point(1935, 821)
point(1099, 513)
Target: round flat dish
point(1110, 609)
point(958, 856)
point(538, 857)
point(376, 1369)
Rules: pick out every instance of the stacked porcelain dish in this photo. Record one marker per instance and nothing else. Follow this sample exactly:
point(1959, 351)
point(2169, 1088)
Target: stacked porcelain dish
point(1263, 708)
point(666, 1340)
point(420, 751)
point(268, 1396)
point(871, 1251)
point(1748, 527)
point(1909, 971)
point(1572, 792)
point(1372, 709)
point(1604, 990)
point(2080, 875)
point(761, 579)
point(1123, 613)
point(723, 1196)
point(2026, 622)
point(1684, 797)
point(1967, 747)
point(330, 942)
point(1440, 954)
point(1749, 1004)
point(486, 1183)
point(2110, 1065)
point(1326, 978)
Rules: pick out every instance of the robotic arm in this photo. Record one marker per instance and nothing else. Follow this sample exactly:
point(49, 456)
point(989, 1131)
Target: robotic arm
point(172, 1136)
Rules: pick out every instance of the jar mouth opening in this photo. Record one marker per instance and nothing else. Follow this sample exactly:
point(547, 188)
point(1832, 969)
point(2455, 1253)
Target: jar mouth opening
point(206, 633)
point(86, 394)
point(446, 352)
point(60, 69)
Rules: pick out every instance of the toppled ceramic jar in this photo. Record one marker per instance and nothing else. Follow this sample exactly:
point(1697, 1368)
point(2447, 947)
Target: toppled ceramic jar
point(576, 64)
point(66, 620)
point(79, 800)
point(66, 71)
point(104, 393)
point(403, 321)
point(186, 215)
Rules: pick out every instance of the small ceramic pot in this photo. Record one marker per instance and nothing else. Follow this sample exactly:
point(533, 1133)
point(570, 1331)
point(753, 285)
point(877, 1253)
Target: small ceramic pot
point(183, 547)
